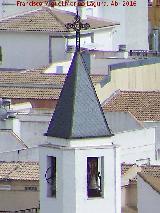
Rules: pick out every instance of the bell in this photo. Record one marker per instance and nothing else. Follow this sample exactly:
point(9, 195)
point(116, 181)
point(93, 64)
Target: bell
point(93, 183)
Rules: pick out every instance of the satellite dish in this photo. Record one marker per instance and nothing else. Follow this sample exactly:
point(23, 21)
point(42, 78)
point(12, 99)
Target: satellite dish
point(3, 114)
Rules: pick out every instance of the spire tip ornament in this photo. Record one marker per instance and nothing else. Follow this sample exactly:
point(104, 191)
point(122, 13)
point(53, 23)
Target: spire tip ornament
point(77, 25)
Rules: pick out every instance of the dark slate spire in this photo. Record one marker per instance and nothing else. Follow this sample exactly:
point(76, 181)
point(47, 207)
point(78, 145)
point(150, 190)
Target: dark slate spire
point(78, 113)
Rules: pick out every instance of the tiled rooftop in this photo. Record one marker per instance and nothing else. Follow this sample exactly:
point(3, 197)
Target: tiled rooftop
point(34, 84)
point(47, 20)
point(125, 168)
point(149, 170)
point(31, 93)
point(154, 182)
point(19, 171)
point(144, 105)
point(37, 77)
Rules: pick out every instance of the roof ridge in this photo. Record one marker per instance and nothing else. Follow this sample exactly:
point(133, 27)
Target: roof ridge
point(140, 91)
point(15, 135)
point(50, 11)
point(19, 139)
point(113, 95)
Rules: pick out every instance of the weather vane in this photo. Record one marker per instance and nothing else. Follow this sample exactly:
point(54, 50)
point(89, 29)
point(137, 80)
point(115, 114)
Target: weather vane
point(77, 25)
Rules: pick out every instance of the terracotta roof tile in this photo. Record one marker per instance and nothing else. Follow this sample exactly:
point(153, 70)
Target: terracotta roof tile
point(125, 168)
point(34, 84)
point(150, 170)
point(154, 182)
point(35, 93)
point(144, 105)
point(37, 77)
point(19, 171)
point(47, 20)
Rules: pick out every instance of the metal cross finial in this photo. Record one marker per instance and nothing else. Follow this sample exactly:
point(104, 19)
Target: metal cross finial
point(77, 25)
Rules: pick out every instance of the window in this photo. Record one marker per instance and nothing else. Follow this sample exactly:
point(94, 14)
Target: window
point(30, 188)
point(94, 176)
point(50, 176)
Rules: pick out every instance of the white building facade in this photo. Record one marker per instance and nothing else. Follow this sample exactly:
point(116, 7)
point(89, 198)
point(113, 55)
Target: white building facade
point(133, 29)
point(71, 176)
point(148, 196)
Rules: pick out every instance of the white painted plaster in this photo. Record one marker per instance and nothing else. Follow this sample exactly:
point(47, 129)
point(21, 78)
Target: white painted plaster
point(31, 154)
point(24, 50)
point(148, 198)
point(9, 141)
point(133, 29)
point(136, 145)
point(103, 39)
point(72, 180)
point(33, 128)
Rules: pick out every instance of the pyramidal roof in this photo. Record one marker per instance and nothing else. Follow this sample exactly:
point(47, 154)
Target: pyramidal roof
point(78, 113)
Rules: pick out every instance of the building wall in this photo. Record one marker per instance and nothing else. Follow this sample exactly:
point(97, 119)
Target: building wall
point(122, 121)
point(11, 124)
point(9, 141)
point(131, 32)
point(31, 154)
point(58, 46)
point(129, 196)
point(36, 132)
point(154, 14)
point(136, 145)
point(148, 199)
point(103, 39)
point(17, 198)
point(24, 50)
point(10, 8)
point(36, 126)
point(143, 78)
point(100, 65)
point(71, 179)
point(30, 129)
point(137, 28)
point(115, 14)
point(155, 124)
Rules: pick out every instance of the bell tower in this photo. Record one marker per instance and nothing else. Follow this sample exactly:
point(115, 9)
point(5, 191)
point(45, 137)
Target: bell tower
point(79, 164)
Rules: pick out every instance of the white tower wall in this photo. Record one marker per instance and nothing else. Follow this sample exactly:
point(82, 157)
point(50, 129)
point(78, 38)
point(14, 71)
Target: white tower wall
point(71, 174)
